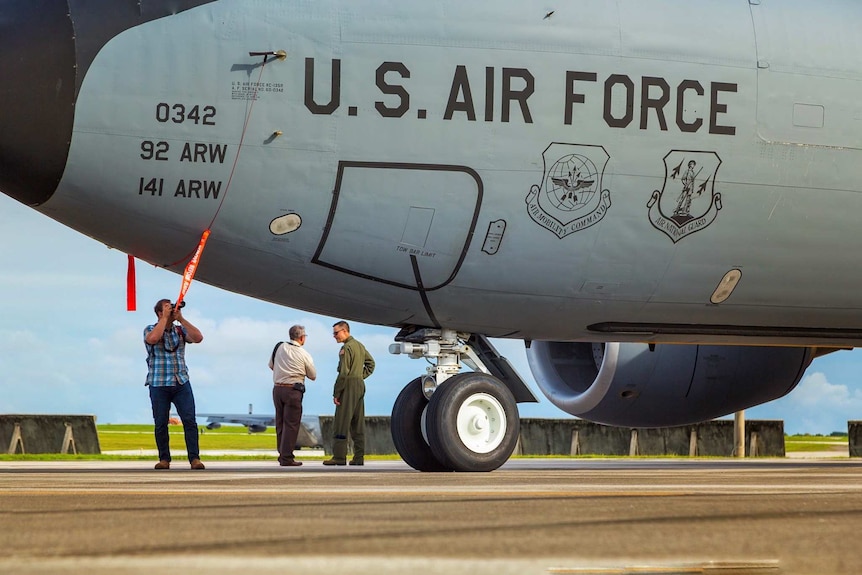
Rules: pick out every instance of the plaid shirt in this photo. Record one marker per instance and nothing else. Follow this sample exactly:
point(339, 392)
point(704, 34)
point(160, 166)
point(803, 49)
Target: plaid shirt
point(166, 360)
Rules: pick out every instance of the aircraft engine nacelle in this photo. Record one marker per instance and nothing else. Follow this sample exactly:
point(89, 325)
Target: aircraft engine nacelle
point(637, 385)
point(256, 428)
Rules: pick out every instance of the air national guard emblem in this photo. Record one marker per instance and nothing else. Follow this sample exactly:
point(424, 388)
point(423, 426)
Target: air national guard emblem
point(687, 202)
point(570, 197)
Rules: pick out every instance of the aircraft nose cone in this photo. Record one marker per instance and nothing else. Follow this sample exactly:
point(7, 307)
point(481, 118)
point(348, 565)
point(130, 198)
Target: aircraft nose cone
point(37, 96)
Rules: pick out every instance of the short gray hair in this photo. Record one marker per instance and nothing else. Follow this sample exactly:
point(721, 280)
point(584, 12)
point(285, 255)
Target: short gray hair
point(296, 332)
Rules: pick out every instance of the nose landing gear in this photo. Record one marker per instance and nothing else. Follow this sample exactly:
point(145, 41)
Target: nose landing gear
point(449, 421)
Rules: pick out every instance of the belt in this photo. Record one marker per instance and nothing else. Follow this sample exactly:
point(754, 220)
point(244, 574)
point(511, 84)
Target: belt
point(285, 384)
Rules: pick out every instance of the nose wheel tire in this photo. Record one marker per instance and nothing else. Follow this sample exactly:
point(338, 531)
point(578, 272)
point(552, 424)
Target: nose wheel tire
point(406, 427)
point(472, 422)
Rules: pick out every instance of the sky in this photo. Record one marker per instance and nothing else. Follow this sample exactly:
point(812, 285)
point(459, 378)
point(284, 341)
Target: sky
point(68, 345)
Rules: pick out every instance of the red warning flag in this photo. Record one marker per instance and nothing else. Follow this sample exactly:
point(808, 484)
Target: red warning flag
point(131, 296)
point(192, 267)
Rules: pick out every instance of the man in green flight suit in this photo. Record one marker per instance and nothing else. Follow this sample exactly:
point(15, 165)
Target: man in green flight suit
point(354, 365)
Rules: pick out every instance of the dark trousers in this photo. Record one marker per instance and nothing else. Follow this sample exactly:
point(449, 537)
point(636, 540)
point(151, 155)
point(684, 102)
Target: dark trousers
point(288, 418)
point(184, 400)
point(350, 417)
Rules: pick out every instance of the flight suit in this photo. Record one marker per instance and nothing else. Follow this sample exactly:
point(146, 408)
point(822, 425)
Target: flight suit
point(354, 365)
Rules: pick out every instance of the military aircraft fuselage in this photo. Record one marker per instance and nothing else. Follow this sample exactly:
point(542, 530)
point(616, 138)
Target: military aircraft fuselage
point(611, 171)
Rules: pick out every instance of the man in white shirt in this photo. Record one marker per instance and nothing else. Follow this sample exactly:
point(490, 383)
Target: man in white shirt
point(290, 365)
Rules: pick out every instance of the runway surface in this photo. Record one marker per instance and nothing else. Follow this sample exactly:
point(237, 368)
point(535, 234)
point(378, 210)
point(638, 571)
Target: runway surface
point(531, 516)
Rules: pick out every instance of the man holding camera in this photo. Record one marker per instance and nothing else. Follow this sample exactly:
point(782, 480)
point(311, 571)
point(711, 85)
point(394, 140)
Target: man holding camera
point(168, 379)
point(290, 365)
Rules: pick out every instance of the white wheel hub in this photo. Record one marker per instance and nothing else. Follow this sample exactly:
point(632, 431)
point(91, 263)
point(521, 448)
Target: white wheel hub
point(481, 423)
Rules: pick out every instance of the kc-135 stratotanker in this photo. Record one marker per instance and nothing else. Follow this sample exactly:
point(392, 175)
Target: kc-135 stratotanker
point(661, 198)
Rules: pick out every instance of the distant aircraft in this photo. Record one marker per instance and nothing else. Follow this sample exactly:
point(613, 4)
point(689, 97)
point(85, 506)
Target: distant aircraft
point(401, 163)
point(309, 432)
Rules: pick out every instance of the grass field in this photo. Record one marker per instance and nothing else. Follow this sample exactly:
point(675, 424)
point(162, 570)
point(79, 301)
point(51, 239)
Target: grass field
point(228, 437)
point(809, 443)
point(128, 437)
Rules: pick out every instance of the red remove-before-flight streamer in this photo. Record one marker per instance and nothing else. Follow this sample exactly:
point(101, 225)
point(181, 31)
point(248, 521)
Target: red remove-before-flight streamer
point(192, 267)
point(131, 295)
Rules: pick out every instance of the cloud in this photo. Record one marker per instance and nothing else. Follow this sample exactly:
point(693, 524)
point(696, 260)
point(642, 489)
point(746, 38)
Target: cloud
point(815, 406)
point(815, 391)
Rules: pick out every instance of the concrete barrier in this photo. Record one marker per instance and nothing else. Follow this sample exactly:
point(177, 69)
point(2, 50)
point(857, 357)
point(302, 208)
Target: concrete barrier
point(763, 438)
point(48, 434)
point(712, 438)
point(378, 437)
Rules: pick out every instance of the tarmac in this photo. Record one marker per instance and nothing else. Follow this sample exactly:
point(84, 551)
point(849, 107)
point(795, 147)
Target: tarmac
point(579, 516)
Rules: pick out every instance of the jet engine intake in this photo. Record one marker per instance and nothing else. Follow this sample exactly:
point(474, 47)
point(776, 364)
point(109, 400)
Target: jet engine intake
point(641, 385)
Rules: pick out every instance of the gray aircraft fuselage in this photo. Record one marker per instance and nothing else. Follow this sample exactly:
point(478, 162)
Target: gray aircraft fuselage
point(592, 174)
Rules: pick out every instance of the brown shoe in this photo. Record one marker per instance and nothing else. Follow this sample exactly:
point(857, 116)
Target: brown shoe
point(197, 464)
point(291, 463)
point(163, 464)
point(357, 461)
point(334, 461)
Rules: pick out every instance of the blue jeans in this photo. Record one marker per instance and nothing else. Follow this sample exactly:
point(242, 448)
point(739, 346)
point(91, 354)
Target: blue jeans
point(184, 400)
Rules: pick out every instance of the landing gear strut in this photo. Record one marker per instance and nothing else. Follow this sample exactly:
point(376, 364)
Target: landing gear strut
point(447, 420)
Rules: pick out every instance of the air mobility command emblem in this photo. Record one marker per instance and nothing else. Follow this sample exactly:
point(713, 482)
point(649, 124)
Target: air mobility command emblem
point(687, 202)
point(570, 197)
